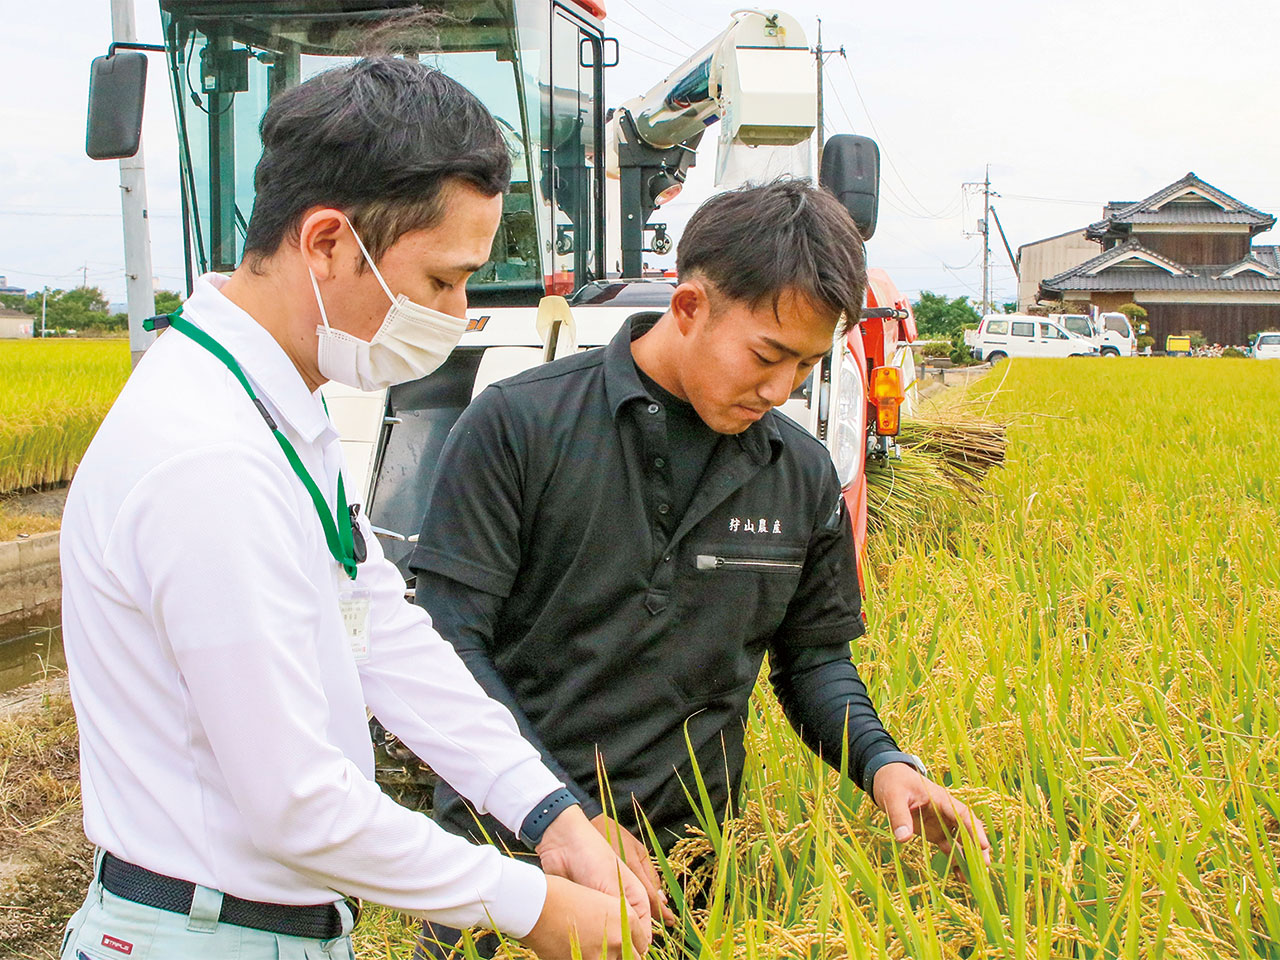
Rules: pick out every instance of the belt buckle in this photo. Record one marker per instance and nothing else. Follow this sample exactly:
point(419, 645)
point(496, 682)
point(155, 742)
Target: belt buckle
point(356, 905)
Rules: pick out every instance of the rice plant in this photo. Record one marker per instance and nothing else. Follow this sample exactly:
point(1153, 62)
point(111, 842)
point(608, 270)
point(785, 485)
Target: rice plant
point(1087, 651)
point(53, 396)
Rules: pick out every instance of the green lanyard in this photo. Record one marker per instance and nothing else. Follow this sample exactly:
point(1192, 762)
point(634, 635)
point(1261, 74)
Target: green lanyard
point(337, 533)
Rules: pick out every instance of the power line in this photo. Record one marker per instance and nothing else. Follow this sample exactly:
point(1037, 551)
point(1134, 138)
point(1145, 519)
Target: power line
point(618, 25)
point(677, 39)
point(883, 147)
point(17, 212)
point(694, 20)
point(948, 213)
point(1083, 203)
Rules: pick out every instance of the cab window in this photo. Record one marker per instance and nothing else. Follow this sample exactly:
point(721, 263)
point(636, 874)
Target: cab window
point(1118, 324)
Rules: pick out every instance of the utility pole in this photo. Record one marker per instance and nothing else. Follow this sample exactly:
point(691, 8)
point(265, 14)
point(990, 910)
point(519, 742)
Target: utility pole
point(984, 230)
point(44, 306)
point(133, 207)
point(986, 243)
point(84, 277)
point(821, 56)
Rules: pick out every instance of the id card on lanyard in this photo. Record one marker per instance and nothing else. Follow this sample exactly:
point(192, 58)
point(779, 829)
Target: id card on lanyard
point(355, 605)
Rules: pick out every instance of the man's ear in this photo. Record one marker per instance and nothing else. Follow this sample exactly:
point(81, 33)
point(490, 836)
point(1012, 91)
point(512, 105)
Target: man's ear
point(690, 305)
point(323, 237)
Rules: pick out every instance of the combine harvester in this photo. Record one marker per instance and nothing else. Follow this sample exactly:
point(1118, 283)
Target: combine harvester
point(576, 223)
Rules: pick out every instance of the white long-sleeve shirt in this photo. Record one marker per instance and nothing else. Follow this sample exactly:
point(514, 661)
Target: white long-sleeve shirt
point(221, 709)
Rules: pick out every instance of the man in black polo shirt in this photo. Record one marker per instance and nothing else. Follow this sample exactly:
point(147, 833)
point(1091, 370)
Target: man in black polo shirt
point(616, 539)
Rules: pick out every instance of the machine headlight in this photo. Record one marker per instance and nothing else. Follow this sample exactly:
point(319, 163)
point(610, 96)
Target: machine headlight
point(848, 448)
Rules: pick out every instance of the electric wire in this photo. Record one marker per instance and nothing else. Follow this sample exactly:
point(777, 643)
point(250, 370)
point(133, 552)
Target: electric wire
point(701, 25)
point(10, 212)
point(883, 146)
point(948, 213)
point(618, 25)
point(680, 40)
point(1083, 203)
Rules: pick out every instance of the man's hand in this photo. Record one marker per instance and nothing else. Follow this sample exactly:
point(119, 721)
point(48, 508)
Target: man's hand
point(634, 854)
point(571, 848)
point(575, 914)
point(916, 804)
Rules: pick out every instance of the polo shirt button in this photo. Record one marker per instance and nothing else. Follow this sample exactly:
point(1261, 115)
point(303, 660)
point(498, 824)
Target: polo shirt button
point(654, 408)
point(659, 462)
point(664, 508)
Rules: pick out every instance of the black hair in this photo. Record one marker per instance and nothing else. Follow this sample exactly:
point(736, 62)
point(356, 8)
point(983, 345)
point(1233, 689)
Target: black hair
point(380, 139)
point(757, 242)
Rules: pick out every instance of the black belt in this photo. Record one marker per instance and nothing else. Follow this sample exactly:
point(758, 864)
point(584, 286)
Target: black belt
point(321, 921)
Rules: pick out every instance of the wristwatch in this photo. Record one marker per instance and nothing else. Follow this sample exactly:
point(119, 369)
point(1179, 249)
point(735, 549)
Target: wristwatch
point(541, 816)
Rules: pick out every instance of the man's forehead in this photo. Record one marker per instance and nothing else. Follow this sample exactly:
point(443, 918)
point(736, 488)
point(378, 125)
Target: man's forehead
point(788, 304)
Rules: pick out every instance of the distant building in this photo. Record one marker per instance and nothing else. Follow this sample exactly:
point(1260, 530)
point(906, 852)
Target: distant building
point(16, 325)
point(1186, 254)
point(1049, 257)
point(5, 288)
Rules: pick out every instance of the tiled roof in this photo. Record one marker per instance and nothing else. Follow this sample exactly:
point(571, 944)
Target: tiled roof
point(1094, 275)
point(1268, 255)
point(1224, 208)
point(1249, 264)
point(1159, 280)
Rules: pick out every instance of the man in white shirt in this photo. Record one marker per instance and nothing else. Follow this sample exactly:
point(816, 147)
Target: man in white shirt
point(227, 617)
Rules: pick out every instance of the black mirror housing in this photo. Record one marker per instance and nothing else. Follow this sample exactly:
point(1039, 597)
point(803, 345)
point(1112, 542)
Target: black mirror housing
point(117, 88)
point(851, 171)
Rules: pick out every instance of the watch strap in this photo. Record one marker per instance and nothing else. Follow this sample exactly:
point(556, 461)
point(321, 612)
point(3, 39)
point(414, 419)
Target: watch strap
point(883, 759)
point(542, 815)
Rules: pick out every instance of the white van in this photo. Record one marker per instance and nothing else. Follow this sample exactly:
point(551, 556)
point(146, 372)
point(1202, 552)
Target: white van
point(1111, 333)
point(1267, 346)
point(1004, 335)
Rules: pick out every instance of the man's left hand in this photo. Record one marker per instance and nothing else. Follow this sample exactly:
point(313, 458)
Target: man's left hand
point(915, 804)
point(573, 849)
point(634, 855)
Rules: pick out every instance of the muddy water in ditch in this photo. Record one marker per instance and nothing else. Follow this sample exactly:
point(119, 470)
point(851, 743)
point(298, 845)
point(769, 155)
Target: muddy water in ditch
point(30, 648)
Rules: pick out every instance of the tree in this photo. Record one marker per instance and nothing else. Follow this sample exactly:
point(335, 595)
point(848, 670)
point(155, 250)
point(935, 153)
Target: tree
point(167, 301)
point(1010, 307)
point(84, 308)
point(1136, 314)
point(939, 318)
point(20, 301)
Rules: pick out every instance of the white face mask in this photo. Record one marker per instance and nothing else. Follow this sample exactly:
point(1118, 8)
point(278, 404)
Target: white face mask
point(411, 343)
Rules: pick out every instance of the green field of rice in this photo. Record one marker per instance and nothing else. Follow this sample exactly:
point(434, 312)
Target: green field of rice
point(1088, 653)
point(53, 396)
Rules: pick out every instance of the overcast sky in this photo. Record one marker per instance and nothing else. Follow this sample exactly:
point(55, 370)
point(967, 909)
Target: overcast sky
point(1072, 104)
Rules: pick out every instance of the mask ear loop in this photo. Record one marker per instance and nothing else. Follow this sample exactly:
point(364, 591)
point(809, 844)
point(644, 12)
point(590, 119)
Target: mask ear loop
point(319, 300)
point(369, 260)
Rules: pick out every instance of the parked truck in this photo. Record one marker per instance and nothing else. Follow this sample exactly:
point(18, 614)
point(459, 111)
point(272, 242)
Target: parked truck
point(1111, 333)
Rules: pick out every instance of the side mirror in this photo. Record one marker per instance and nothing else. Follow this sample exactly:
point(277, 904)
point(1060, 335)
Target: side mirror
point(117, 87)
point(851, 171)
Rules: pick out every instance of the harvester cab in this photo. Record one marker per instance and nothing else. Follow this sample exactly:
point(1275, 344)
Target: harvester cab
point(576, 222)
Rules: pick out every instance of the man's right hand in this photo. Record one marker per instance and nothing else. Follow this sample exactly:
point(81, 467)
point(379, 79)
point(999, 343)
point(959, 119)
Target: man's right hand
point(576, 914)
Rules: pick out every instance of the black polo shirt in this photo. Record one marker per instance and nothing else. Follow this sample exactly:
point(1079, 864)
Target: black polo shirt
point(621, 625)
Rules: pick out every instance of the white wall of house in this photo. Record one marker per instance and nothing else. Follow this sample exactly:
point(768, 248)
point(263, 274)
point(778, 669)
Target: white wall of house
point(16, 328)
